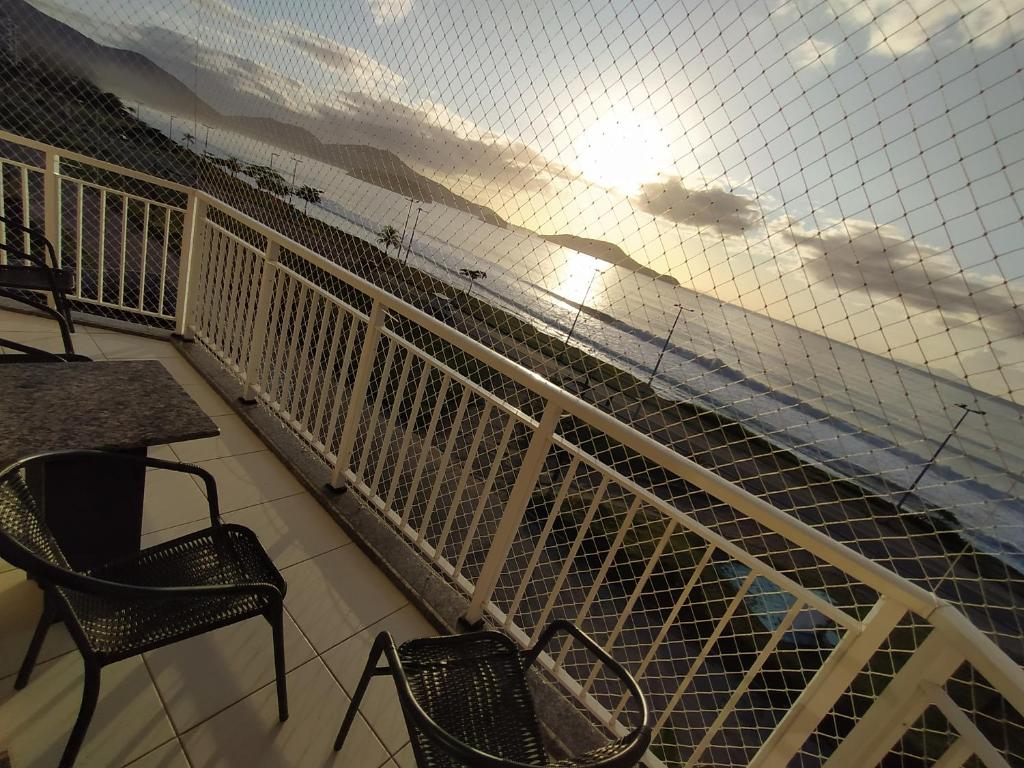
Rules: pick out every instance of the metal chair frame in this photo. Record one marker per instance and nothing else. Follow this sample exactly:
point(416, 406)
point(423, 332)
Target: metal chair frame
point(54, 580)
point(626, 752)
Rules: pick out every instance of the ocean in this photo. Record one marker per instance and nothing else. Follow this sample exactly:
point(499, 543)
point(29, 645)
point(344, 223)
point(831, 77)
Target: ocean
point(855, 414)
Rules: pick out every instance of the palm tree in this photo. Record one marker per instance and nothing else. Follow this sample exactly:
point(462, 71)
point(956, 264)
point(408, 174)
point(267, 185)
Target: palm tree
point(472, 275)
point(233, 165)
point(188, 139)
point(388, 237)
point(309, 194)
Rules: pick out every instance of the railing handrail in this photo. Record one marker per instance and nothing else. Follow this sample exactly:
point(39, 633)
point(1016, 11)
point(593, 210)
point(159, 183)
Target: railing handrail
point(831, 551)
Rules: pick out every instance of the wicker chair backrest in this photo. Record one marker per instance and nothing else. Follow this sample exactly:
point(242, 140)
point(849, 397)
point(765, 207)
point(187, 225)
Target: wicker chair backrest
point(22, 523)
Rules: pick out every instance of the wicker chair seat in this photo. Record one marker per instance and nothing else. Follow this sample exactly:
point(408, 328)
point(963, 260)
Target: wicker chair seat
point(122, 627)
point(474, 686)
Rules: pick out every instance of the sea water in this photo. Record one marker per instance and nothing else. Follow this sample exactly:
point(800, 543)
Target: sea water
point(855, 414)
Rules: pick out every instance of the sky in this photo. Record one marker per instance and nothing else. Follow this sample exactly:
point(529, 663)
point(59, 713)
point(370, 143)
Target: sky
point(855, 168)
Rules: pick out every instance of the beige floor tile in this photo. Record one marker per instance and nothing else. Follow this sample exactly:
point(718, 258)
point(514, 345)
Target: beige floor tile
point(172, 498)
point(292, 529)
point(251, 478)
point(235, 438)
point(36, 722)
point(182, 371)
point(51, 341)
point(405, 757)
point(122, 346)
point(20, 321)
point(337, 594)
point(201, 676)
point(248, 734)
point(380, 705)
point(208, 399)
point(164, 452)
point(170, 755)
point(21, 604)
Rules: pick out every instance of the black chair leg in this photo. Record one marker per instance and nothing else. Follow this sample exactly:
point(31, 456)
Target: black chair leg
point(37, 643)
point(90, 695)
point(276, 619)
point(370, 671)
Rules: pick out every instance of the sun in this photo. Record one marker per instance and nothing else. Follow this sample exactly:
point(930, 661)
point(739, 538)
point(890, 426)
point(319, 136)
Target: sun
point(622, 149)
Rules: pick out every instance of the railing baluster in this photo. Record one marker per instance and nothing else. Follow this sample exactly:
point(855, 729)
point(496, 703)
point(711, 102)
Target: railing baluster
point(698, 662)
point(407, 435)
point(336, 330)
point(51, 205)
point(143, 254)
point(295, 329)
point(442, 467)
point(460, 489)
point(284, 327)
point(403, 380)
point(259, 327)
point(235, 272)
point(124, 250)
point(79, 236)
point(26, 210)
point(378, 403)
point(3, 214)
point(355, 404)
point(163, 260)
point(542, 539)
point(315, 363)
point(512, 516)
point(848, 658)
point(102, 247)
point(485, 492)
point(193, 233)
point(339, 393)
point(426, 446)
point(299, 387)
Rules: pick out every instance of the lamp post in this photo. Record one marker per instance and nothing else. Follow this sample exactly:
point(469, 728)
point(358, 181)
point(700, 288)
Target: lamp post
point(170, 129)
point(206, 143)
point(583, 301)
point(408, 249)
point(408, 215)
point(295, 168)
point(668, 338)
point(967, 410)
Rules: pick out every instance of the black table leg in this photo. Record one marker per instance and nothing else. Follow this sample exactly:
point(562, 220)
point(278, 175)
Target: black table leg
point(93, 508)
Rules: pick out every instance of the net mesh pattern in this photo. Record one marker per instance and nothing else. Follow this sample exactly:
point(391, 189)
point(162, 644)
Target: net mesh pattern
point(782, 239)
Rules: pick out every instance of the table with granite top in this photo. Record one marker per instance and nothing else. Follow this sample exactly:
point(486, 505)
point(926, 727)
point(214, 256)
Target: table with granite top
point(94, 508)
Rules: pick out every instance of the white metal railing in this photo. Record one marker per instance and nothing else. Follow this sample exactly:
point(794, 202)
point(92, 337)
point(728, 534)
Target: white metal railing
point(749, 635)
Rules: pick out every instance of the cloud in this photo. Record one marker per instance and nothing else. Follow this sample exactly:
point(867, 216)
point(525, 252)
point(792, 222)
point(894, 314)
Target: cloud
point(724, 212)
point(884, 264)
point(332, 54)
point(388, 11)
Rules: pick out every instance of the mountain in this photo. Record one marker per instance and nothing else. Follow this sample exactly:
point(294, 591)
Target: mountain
point(613, 254)
point(135, 77)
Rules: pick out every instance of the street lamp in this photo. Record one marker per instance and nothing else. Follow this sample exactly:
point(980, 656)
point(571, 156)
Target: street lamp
point(170, 129)
point(942, 445)
point(668, 338)
point(295, 168)
point(408, 215)
point(408, 249)
point(206, 144)
point(583, 301)
point(272, 156)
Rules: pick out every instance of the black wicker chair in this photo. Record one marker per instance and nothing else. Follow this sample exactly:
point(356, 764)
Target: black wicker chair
point(466, 701)
point(170, 592)
point(28, 273)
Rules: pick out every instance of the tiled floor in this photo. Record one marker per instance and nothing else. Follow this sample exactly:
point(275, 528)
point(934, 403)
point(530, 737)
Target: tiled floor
point(210, 701)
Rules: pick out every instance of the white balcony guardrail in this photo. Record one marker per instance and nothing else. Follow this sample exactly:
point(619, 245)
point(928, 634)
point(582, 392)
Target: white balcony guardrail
point(761, 641)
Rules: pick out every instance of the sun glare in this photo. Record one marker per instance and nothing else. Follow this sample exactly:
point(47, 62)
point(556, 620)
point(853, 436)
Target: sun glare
point(622, 149)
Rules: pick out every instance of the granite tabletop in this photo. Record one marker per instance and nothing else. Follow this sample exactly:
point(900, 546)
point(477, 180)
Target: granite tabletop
point(102, 405)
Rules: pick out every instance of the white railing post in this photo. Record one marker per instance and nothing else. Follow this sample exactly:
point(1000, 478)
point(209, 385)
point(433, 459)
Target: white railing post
point(260, 321)
point(512, 517)
point(829, 683)
point(51, 203)
point(899, 706)
point(51, 212)
point(367, 359)
point(188, 265)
